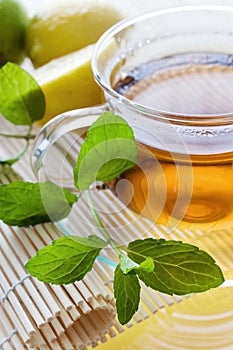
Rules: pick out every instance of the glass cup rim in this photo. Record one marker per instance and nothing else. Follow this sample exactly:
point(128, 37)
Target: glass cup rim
point(199, 119)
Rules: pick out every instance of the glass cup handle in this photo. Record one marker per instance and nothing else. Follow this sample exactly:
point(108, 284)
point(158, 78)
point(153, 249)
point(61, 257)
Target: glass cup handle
point(59, 126)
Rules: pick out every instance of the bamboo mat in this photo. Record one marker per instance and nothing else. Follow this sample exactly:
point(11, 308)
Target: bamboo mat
point(41, 316)
point(80, 315)
point(35, 315)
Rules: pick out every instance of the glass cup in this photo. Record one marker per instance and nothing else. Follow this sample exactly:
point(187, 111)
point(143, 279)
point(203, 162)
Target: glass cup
point(169, 74)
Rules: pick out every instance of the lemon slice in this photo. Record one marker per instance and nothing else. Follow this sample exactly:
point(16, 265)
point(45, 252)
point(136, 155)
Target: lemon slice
point(65, 26)
point(68, 83)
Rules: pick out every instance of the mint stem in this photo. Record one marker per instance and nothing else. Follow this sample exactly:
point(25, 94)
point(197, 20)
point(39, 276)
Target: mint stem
point(101, 227)
point(25, 137)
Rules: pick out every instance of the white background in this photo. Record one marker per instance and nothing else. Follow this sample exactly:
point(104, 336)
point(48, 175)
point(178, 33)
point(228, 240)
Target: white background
point(131, 7)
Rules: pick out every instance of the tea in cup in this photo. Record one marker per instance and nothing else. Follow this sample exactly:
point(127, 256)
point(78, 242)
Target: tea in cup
point(169, 74)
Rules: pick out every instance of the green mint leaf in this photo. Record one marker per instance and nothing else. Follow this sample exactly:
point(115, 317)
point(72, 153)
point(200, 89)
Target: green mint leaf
point(26, 203)
point(180, 268)
point(109, 149)
point(21, 100)
point(127, 294)
point(66, 260)
point(127, 265)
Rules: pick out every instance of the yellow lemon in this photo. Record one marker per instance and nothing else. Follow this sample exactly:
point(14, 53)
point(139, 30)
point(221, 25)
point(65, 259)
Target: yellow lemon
point(67, 26)
point(13, 23)
point(68, 83)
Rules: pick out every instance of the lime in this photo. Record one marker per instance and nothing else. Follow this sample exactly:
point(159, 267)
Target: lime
point(68, 83)
point(13, 23)
point(67, 26)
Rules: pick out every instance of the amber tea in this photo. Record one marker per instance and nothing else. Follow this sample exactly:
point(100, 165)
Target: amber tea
point(193, 191)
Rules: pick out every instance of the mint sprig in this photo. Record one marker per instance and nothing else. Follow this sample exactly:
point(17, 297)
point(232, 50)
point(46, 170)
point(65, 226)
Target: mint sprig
point(171, 267)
